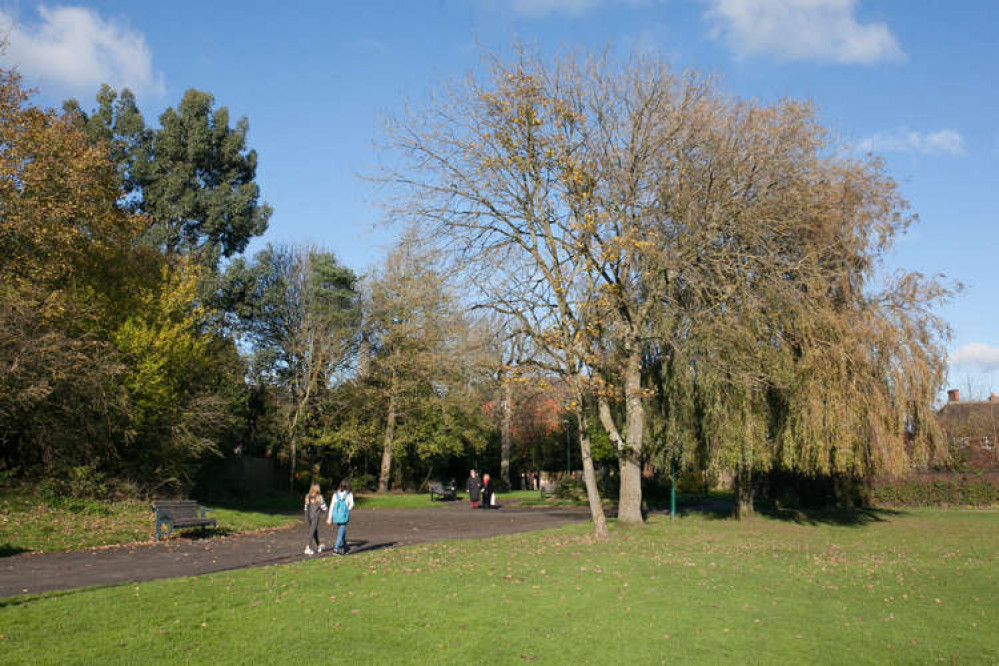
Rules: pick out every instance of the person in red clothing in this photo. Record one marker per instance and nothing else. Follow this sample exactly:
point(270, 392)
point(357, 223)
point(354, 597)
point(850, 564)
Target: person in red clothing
point(488, 502)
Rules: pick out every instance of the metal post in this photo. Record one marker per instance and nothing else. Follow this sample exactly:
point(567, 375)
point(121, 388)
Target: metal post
point(672, 490)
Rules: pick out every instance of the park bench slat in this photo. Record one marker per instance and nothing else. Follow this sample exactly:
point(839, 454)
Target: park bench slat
point(444, 492)
point(180, 513)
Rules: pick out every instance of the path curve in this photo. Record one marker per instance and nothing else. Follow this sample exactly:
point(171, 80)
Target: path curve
point(370, 529)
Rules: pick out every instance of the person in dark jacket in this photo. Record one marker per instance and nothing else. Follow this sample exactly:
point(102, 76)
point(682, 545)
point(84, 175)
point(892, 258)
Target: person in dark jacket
point(474, 488)
point(487, 492)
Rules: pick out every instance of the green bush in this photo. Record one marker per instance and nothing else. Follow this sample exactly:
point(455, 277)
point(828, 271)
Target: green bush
point(570, 489)
point(939, 490)
point(86, 482)
point(363, 483)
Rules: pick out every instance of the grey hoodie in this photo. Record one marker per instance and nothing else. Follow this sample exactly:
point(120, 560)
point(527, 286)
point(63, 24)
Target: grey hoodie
point(315, 510)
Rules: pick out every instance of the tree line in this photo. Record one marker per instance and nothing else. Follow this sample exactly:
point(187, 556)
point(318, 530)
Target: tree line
point(682, 279)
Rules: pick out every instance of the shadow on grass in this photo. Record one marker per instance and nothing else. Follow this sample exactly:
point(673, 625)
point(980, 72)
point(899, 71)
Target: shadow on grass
point(717, 508)
point(28, 598)
point(855, 517)
point(7, 550)
point(365, 546)
point(713, 507)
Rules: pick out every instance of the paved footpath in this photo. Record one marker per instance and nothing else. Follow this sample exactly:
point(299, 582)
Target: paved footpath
point(369, 529)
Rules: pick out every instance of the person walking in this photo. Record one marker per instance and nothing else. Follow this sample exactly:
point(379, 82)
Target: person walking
point(474, 488)
point(341, 504)
point(488, 501)
point(315, 506)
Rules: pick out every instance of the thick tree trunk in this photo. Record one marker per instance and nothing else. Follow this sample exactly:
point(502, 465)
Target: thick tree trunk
point(590, 475)
point(386, 471)
point(744, 493)
point(630, 453)
point(505, 427)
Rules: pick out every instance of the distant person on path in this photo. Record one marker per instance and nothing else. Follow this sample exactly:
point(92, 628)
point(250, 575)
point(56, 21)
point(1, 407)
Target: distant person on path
point(341, 504)
point(474, 488)
point(487, 493)
point(314, 508)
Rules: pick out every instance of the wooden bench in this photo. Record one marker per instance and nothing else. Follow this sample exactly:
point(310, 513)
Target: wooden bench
point(446, 493)
point(176, 514)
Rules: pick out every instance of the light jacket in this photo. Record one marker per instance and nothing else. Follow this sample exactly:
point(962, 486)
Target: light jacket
point(349, 499)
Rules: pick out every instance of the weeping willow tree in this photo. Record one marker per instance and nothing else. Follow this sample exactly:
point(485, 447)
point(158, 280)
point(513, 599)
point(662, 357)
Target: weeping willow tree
point(786, 344)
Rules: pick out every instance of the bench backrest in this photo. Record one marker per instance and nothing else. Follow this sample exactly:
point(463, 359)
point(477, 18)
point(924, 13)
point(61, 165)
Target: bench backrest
point(436, 488)
point(178, 508)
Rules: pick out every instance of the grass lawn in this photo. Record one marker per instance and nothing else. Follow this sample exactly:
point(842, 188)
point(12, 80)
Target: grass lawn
point(912, 587)
point(45, 524)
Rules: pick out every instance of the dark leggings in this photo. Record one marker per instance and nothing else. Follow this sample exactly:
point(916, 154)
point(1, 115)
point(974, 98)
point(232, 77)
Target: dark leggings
point(314, 531)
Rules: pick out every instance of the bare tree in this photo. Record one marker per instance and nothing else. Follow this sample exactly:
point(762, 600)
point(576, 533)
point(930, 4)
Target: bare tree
point(616, 210)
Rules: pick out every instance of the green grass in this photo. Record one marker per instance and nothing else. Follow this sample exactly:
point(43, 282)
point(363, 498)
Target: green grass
point(35, 523)
point(914, 587)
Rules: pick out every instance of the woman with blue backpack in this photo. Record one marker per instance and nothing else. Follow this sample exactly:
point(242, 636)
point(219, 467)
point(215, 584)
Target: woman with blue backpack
point(341, 504)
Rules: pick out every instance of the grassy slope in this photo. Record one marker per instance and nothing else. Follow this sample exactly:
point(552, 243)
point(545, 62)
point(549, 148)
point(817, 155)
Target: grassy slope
point(32, 523)
point(915, 587)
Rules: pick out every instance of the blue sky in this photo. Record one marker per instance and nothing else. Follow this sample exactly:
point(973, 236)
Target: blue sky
point(915, 82)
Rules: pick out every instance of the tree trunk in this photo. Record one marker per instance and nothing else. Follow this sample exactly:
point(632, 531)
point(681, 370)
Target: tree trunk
point(293, 429)
point(590, 475)
point(743, 492)
point(505, 427)
point(630, 500)
point(386, 471)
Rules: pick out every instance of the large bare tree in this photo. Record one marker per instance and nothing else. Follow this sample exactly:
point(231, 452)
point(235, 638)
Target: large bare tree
point(617, 210)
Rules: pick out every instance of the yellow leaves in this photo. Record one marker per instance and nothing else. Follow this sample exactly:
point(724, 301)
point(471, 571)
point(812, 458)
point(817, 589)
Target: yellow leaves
point(58, 194)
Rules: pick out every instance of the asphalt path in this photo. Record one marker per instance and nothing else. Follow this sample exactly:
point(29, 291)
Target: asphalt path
point(369, 529)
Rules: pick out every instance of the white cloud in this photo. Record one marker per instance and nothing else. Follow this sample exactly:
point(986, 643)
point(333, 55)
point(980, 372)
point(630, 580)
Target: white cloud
point(74, 49)
point(817, 30)
point(977, 355)
point(943, 142)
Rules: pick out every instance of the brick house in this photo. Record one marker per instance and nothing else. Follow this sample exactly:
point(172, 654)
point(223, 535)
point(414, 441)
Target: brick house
point(972, 429)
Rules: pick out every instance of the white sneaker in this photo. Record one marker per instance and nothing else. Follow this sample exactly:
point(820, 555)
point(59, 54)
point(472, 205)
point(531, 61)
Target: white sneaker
point(320, 548)
point(308, 551)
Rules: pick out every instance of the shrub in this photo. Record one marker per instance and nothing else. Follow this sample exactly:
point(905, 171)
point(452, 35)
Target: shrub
point(940, 489)
point(570, 489)
point(364, 483)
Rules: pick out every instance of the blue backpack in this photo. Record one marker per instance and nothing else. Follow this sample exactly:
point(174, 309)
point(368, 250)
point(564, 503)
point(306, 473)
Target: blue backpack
point(341, 512)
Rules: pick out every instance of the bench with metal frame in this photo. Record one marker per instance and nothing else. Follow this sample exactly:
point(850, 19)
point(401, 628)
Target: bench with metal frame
point(178, 514)
point(446, 493)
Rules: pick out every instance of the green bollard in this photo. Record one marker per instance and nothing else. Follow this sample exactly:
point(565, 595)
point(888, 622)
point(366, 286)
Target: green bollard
point(672, 492)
